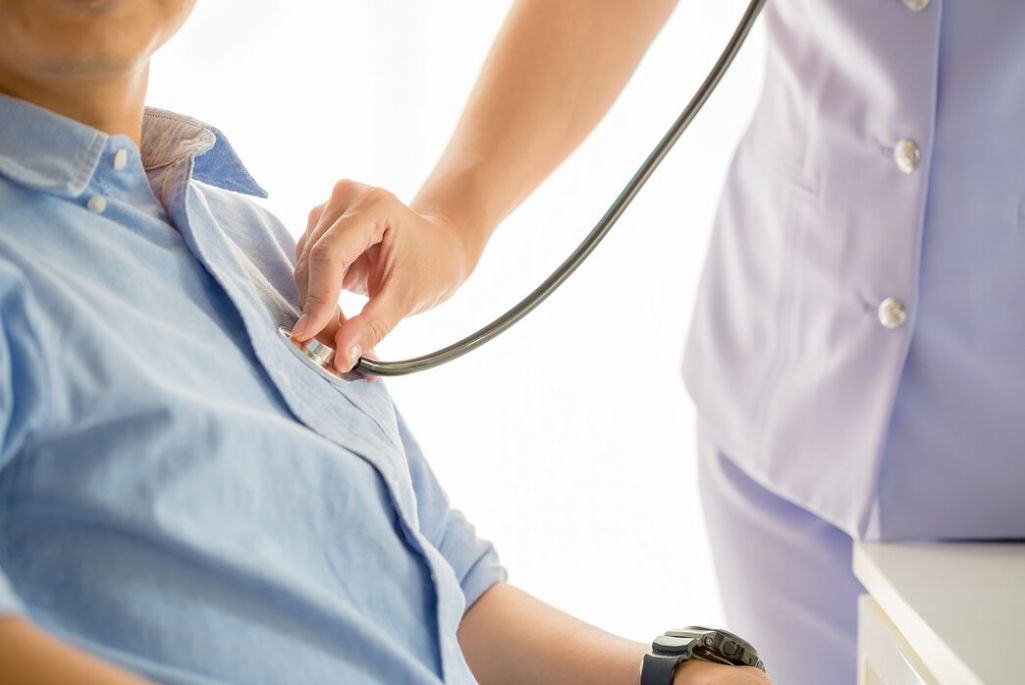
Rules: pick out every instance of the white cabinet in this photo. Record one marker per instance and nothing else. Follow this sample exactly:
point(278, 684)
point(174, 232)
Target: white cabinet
point(941, 614)
point(884, 656)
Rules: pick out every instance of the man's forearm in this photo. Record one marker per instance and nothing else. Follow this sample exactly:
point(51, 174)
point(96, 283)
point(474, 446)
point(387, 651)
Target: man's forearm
point(28, 656)
point(553, 72)
point(510, 637)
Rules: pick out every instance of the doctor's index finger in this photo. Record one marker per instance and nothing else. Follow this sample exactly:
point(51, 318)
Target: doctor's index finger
point(319, 277)
point(318, 221)
point(342, 201)
point(326, 260)
point(326, 213)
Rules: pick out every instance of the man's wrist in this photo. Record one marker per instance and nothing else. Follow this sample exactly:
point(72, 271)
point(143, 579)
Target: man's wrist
point(696, 655)
point(695, 671)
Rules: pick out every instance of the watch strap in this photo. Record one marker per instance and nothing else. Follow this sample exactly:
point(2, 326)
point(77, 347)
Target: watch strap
point(658, 669)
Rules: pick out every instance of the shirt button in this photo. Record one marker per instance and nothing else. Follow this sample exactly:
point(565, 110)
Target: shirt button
point(285, 379)
point(97, 204)
point(906, 154)
point(120, 159)
point(916, 5)
point(892, 313)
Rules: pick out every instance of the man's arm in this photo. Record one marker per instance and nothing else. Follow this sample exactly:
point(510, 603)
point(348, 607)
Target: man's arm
point(510, 637)
point(28, 656)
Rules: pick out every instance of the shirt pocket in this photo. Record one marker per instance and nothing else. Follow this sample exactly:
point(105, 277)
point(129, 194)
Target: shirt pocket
point(308, 387)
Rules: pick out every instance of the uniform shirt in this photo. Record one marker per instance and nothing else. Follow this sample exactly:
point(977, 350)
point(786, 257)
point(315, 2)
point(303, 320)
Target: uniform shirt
point(858, 345)
point(179, 494)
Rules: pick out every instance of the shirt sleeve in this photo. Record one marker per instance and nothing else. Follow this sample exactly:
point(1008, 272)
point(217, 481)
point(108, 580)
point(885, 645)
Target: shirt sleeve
point(474, 560)
point(21, 394)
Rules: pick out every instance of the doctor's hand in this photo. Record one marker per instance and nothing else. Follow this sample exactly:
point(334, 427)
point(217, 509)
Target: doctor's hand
point(363, 239)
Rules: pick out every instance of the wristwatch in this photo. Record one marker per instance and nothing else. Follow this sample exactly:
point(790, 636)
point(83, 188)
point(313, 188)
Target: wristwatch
point(672, 648)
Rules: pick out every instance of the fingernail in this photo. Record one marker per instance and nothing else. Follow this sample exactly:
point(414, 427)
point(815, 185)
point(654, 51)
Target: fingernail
point(300, 325)
point(354, 354)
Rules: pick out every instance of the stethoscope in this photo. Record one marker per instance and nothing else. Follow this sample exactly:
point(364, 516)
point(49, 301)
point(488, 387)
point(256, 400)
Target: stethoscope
point(320, 356)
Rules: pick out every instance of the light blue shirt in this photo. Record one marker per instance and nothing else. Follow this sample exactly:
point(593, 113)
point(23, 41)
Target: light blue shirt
point(858, 344)
point(179, 494)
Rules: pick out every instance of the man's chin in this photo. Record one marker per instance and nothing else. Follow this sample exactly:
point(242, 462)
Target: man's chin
point(85, 37)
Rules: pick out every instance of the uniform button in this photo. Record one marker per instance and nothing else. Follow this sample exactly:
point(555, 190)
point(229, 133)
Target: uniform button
point(892, 313)
point(120, 159)
point(906, 154)
point(285, 379)
point(97, 204)
point(916, 5)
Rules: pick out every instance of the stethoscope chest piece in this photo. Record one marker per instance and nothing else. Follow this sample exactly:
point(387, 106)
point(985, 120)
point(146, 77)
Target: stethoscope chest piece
point(317, 356)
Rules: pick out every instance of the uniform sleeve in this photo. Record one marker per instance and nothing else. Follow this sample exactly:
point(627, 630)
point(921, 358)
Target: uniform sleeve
point(474, 560)
point(21, 396)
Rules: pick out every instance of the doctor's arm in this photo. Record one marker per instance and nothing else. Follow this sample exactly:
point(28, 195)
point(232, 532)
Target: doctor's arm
point(554, 70)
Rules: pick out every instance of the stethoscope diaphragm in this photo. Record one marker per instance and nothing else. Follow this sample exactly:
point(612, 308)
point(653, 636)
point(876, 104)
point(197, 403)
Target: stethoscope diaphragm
point(318, 356)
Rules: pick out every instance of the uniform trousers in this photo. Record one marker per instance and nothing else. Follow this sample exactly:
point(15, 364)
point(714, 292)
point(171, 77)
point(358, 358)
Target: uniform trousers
point(784, 574)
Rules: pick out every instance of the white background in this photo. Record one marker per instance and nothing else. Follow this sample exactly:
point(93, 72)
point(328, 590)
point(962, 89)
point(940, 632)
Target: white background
point(569, 441)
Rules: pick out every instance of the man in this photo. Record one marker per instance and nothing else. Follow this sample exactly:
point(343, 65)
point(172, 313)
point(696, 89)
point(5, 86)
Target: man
point(182, 500)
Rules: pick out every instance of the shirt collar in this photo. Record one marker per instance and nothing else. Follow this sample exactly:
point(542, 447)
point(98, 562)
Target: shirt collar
point(51, 153)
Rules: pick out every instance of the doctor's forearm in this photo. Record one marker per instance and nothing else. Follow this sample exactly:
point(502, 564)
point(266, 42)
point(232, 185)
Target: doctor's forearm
point(553, 72)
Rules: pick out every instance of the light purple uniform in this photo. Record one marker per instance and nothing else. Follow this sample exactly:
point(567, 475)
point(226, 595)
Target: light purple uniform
point(858, 346)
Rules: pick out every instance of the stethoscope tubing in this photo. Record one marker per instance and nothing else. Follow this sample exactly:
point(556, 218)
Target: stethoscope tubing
point(600, 230)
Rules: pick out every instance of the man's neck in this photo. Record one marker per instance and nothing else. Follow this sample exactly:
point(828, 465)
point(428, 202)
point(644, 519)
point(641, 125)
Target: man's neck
point(112, 103)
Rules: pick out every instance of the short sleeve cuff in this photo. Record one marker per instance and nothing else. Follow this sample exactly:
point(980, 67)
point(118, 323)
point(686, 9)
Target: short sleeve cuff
point(483, 574)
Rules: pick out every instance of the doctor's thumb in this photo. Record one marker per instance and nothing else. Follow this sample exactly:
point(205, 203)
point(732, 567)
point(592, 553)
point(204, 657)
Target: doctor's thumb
point(362, 333)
